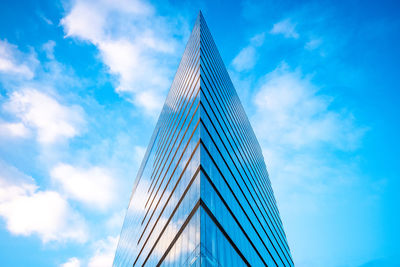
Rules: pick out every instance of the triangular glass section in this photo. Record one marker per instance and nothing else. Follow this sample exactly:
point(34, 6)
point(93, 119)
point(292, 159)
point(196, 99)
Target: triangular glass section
point(202, 195)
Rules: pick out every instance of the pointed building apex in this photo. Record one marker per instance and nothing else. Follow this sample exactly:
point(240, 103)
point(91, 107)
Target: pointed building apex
point(199, 17)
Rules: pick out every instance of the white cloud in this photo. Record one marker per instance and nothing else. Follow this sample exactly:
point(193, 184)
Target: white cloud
point(245, 60)
point(84, 21)
point(72, 262)
point(247, 57)
point(94, 186)
point(28, 210)
point(44, 18)
point(13, 62)
point(14, 129)
point(298, 116)
point(285, 27)
point(299, 134)
point(258, 39)
point(313, 44)
point(51, 120)
point(104, 254)
point(48, 48)
point(133, 42)
point(309, 147)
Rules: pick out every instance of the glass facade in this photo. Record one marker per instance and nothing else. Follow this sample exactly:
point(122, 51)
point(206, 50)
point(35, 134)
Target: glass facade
point(202, 195)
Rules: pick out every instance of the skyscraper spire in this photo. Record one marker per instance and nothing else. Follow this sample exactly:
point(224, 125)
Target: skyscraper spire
point(202, 195)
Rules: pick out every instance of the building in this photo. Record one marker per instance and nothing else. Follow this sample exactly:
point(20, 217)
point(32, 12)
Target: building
point(202, 195)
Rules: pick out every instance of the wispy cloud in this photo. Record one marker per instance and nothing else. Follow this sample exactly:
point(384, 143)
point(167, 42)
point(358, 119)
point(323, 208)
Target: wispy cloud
point(72, 262)
point(285, 27)
point(36, 107)
point(28, 210)
point(32, 106)
point(307, 145)
point(298, 130)
point(104, 254)
point(48, 48)
point(44, 18)
point(14, 129)
point(310, 145)
point(94, 186)
point(14, 62)
point(313, 44)
point(80, 176)
point(300, 115)
point(51, 120)
point(247, 57)
point(133, 42)
point(245, 60)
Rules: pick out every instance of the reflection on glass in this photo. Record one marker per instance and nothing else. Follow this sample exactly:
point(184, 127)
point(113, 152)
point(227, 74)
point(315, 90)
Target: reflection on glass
point(202, 196)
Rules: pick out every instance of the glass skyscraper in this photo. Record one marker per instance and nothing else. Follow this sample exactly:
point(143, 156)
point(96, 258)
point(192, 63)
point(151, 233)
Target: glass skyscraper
point(202, 195)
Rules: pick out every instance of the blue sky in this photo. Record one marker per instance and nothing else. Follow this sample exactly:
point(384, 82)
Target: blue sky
point(82, 83)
